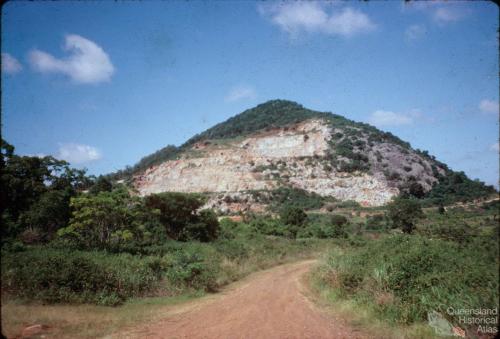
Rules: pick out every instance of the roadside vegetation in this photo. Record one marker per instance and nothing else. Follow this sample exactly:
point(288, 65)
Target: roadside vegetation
point(72, 239)
point(411, 263)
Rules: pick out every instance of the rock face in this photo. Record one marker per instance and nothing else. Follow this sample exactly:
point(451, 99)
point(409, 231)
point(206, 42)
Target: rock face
point(290, 156)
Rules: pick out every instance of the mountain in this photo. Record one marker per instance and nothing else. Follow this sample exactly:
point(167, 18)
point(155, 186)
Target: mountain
point(279, 148)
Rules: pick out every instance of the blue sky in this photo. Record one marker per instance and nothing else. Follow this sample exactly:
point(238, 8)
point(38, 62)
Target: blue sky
point(103, 84)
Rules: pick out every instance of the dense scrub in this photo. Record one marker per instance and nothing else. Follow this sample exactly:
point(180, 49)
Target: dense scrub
point(53, 274)
point(452, 261)
point(58, 275)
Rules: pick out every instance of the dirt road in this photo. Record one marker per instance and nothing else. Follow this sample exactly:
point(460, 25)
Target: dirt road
point(268, 304)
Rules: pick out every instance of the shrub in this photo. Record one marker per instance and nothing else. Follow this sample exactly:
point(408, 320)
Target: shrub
point(375, 222)
point(72, 276)
point(292, 215)
point(348, 204)
point(450, 229)
point(206, 229)
point(268, 226)
point(404, 213)
point(296, 197)
point(338, 220)
point(195, 266)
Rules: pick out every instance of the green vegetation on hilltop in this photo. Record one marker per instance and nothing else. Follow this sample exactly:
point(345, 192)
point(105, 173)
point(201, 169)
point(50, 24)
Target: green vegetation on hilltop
point(456, 186)
point(269, 115)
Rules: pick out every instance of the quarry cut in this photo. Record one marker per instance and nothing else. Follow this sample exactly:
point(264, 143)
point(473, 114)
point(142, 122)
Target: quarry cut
point(288, 156)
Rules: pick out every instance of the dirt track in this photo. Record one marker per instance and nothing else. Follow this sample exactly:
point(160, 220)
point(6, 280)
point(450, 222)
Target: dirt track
point(268, 304)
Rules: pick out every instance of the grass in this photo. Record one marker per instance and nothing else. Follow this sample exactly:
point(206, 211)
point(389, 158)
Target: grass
point(360, 316)
point(394, 281)
point(84, 321)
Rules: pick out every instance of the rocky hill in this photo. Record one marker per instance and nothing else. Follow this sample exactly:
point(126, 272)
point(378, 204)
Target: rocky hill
point(277, 145)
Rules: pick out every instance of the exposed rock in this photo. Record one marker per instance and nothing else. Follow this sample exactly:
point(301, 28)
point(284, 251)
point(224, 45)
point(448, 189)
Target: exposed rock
point(265, 161)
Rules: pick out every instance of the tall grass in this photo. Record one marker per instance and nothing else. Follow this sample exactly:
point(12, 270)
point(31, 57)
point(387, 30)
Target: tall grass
point(402, 277)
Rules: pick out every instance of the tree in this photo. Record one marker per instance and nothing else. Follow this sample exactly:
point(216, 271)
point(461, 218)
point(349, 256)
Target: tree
point(102, 184)
point(338, 220)
point(35, 193)
point(205, 229)
point(291, 215)
point(103, 220)
point(404, 213)
point(50, 213)
point(178, 213)
point(416, 190)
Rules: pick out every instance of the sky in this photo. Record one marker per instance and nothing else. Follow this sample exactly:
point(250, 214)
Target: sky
point(102, 84)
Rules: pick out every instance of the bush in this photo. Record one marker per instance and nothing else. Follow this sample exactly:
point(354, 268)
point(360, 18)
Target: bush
point(206, 229)
point(348, 204)
point(417, 275)
point(72, 276)
point(375, 222)
point(273, 227)
point(195, 266)
point(338, 220)
point(292, 215)
point(296, 197)
point(404, 213)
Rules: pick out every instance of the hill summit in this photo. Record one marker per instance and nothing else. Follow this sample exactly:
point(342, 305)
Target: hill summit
point(251, 159)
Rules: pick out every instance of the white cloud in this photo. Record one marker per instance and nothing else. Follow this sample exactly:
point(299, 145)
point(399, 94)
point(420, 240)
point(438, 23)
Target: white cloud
point(489, 106)
point(240, 93)
point(86, 63)
point(312, 17)
point(78, 153)
point(37, 155)
point(389, 118)
point(446, 14)
point(495, 147)
point(441, 12)
point(415, 32)
point(10, 65)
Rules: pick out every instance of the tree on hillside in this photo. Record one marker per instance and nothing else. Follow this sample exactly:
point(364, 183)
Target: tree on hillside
point(291, 215)
point(102, 184)
point(404, 213)
point(178, 212)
